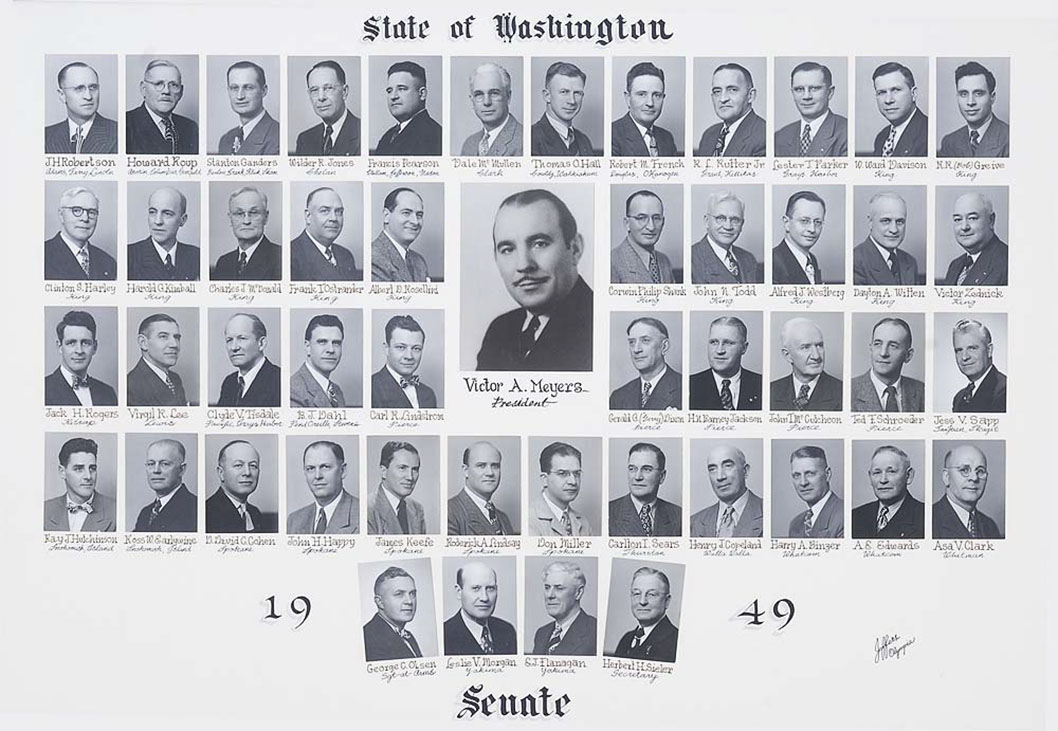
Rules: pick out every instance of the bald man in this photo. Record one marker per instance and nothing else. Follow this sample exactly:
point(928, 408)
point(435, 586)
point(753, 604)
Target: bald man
point(160, 256)
point(808, 387)
point(965, 477)
point(229, 509)
point(738, 512)
point(984, 261)
point(471, 512)
point(256, 380)
point(879, 260)
point(473, 630)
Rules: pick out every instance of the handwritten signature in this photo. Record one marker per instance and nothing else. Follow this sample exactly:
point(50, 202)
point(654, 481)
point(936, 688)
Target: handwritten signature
point(891, 647)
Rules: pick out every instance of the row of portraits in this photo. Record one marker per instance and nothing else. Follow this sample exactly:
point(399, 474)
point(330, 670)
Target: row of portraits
point(662, 106)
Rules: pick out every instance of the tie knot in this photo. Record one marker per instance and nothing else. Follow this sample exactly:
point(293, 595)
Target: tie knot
point(79, 507)
point(409, 381)
point(725, 383)
point(639, 633)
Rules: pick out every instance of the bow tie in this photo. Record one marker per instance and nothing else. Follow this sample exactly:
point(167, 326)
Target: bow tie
point(75, 508)
point(79, 382)
point(409, 381)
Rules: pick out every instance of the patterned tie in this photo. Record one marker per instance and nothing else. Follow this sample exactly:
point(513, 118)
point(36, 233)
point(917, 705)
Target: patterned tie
point(655, 271)
point(975, 138)
point(328, 143)
point(409, 381)
point(236, 144)
point(556, 638)
point(806, 140)
point(967, 262)
point(801, 402)
point(810, 270)
point(486, 641)
point(732, 266)
point(77, 140)
point(82, 259)
point(718, 148)
point(808, 523)
point(646, 394)
point(402, 516)
point(242, 387)
point(971, 523)
point(409, 640)
point(883, 517)
point(329, 253)
point(527, 339)
point(637, 637)
point(321, 524)
point(491, 510)
point(85, 508)
point(79, 382)
point(168, 264)
point(156, 508)
point(483, 143)
point(964, 397)
point(247, 520)
point(727, 400)
point(241, 266)
point(727, 523)
point(652, 143)
point(170, 133)
point(646, 520)
point(332, 395)
point(891, 402)
point(567, 526)
point(169, 383)
point(890, 143)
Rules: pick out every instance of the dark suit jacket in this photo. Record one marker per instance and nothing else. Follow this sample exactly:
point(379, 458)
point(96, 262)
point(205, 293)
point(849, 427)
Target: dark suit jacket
point(346, 518)
point(995, 143)
point(307, 393)
point(830, 523)
point(750, 523)
point(389, 266)
point(382, 643)
point(142, 136)
point(57, 391)
point(990, 397)
point(747, 141)
point(266, 264)
point(627, 142)
point(545, 142)
point(580, 638)
point(264, 391)
point(668, 394)
point(914, 142)
point(564, 345)
point(627, 268)
point(60, 263)
point(310, 142)
point(990, 269)
point(145, 388)
point(459, 641)
point(180, 514)
point(222, 517)
point(624, 520)
point(706, 267)
point(144, 264)
point(908, 522)
point(307, 264)
point(421, 136)
point(507, 143)
point(705, 397)
point(103, 517)
point(659, 646)
point(102, 138)
point(825, 397)
point(262, 140)
point(832, 139)
point(387, 394)
point(465, 519)
point(785, 269)
point(946, 523)
point(869, 268)
point(865, 398)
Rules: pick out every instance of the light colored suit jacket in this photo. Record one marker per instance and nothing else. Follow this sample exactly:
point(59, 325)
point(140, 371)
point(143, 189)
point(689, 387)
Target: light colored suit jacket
point(346, 517)
point(388, 266)
point(508, 143)
point(306, 392)
point(750, 523)
point(382, 518)
point(103, 517)
point(542, 522)
point(865, 398)
point(995, 143)
point(830, 523)
point(627, 268)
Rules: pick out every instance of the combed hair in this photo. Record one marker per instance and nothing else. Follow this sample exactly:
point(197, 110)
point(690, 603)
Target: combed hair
point(643, 68)
point(813, 66)
point(809, 451)
point(972, 68)
point(410, 67)
point(652, 321)
point(563, 68)
point(734, 322)
point(248, 65)
point(804, 195)
point(393, 572)
point(560, 449)
point(76, 318)
point(648, 447)
point(736, 67)
point(391, 448)
point(328, 64)
point(891, 67)
point(648, 571)
point(335, 447)
point(145, 325)
point(75, 446)
point(323, 321)
point(259, 329)
point(566, 222)
point(568, 567)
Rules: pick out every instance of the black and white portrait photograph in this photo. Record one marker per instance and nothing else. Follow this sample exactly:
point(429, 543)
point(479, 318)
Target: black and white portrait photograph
point(888, 489)
point(970, 362)
point(889, 235)
point(727, 360)
point(162, 355)
point(164, 231)
point(487, 106)
point(646, 234)
point(244, 354)
point(565, 486)
point(892, 106)
point(81, 114)
point(161, 483)
point(973, 224)
point(969, 489)
point(326, 358)
point(973, 107)
point(807, 488)
point(407, 225)
point(643, 610)
point(326, 231)
point(480, 605)
point(889, 362)
point(727, 231)
point(405, 95)
point(81, 223)
point(730, 103)
point(80, 482)
point(648, 106)
point(322, 484)
point(324, 106)
point(646, 353)
point(403, 487)
point(800, 344)
point(809, 225)
point(397, 608)
point(245, 228)
point(242, 482)
point(567, 106)
point(811, 107)
point(81, 359)
point(407, 359)
point(727, 494)
point(243, 105)
point(162, 105)
point(561, 605)
point(645, 487)
point(484, 486)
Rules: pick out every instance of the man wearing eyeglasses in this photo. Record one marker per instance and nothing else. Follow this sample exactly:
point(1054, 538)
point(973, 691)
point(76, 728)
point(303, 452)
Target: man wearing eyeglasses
point(715, 259)
point(636, 260)
point(175, 508)
point(896, 513)
point(635, 134)
point(70, 254)
point(965, 477)
point(339, 131)
point(257, 132)
point(819, 131)
point(84, 131)
point(792, 261)
point(490, 95)
point(550, 513)
point(255, 258)
point(655, 636)
point(154, 128)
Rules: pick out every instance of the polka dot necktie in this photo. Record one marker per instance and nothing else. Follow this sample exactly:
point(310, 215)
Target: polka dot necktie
point(890, 143)
point(646, 520)
point(169, 383)
point(655, 271)
point(486, 641)
point(82, 259)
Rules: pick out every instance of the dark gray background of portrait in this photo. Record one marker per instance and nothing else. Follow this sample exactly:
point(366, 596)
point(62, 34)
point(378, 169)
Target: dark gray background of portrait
point(431, 240)
point(464, 122)
point(431, 367)
point(914, 196)
point(785, 107)
point(106, 67)
point(219, 113)
point(137, 492)
point(138, 195)
point(619, 618)
point(862, 449)
point(104, 366)
point(508, 496)
point(427, 489)
point(484, 296)
point(424, 626)
point(699, 338)
point(785, 503)
point(220, 366)
point(947, 248)
point(621, 369)
point(379, 118)
point(536, 615)
point(993, 504)
point(106, 462)
point(617, 459)
point(673, 112)
point(752, 196)
point(190, 345)
point(869, 121)
point(829, 249)
point(352, 195)
point(506, 569)
point(701, 489)
point(671, 240)
point(863, 328)
point(266, 496)
point(189, 103)
point(349, 375)
point(948, 379)
point(298, 493)
point(949, 118)
point(106, 233)
point(301, 115)
point(589, 501)
point(832, 325)
point(704, 113)
point(590, 118)
point(221, 237)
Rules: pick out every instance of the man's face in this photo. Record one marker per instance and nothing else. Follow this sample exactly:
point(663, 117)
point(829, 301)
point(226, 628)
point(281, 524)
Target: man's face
point(79, 474)
point(645, 98)
point(895, 97)
point(162, 88)
point(327, 94)
point(973, 353)
point(966, 476)
point(647, 346)
point(490, 98)
point(811, 478)
point(77, 348)
point(805, 350)
point(404, 351)
point(890, 351)
point(397, 600)
point(973, 223)
point(324, 474)
point(244, 348)
point(975, 101)
point(561, 594)
point(562, 481)
point(564, 96)
point(404, 222)
point(732, 96)
point(478, 593)
point(161, 343)
point(644, 475)
point(79, 217)
point(804, 225)
point(325, 217)
point(165, 467)
point(537, 265)
point(645, 220)
point(889, 477)
point(727, 473)
point(165, 215)
point(650, 599)
point(726, 348)
point(239, 470)
point(811, 93)
point(246, 92)
point(482, 471)
point(80, 93)
point(402, 473)
point(724, 222)
point(248, 214)
point(324, 348)
point(405, 95)
point(888, 218)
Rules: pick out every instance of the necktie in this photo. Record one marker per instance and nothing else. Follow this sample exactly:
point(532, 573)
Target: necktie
point(242, 387)
point(571, 143)
point(726, 398)
point(75, 508)
point(556, 638)
point(883, 517)
point(409, 381)
point(402, 516)
point(801, 402)
point(156, 508)
point(486, 641)
point(82, 259)
point(393, 135)
point(652, 143)
point(893, 268)
point(332, 395)
point(890, 143)
point(967, 262)
point(527, 339)
point(330, 257)
point(236, 144)
point(567, 527)
point(247, 520)
point(806, 140)
point(727, 523)
point(971, 523)
point(963, 398)
point(975, 138)
point(808, 523)
point(169, 383)
point(77, 140)
point(891, 404)
point(328, 143)
point(79, 382)
point(321, 524)
point(168, 264)
point(491, 510)
point(732, 266)
point(637, 637)
point(483, 143)
point(242, 264)
point(646, 520)
point(646, 395)
point(810, 270)
point(718, 148)
point(409, 640)
point(170, 133)
point(655, 271)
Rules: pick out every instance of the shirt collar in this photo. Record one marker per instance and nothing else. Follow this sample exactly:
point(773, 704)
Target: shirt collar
point(648, 630)
point(720, 251)
point(719, 379)
point(641, 251)
point(815, 124)
point(737, 507)
point(963, 513)
point(72, 245)
point(983, 376)
point(893, 509)
point(802, 258)
point(159, 121)
point(639, 503)
point(642, 130)
point(653, 381)
point(477, 500)
point(70, 375)
point(251, 248)
point(322, 247)
point(394, 501)
point(396, 630)
point(880, 386)
point(818, 507)
point(903, 125)
point(329, 508)
point(732, 126)
point(472, 625)
point(811, 385)
point(884, 252)
point(234, 500)
point(543, 320)
point(336, 128)
point(87, 126)
point(980, 130)
point(400, 249)
point(163, 375)
point(554, 508)
point(88, 502)
point(396, 376)
point(407, 121)
point(566, 623)
point(248, 127)
point(321, 379)
point(248, 377)
point(164, 499)
point(163, 252)
point(564, 131)
point(491, 134)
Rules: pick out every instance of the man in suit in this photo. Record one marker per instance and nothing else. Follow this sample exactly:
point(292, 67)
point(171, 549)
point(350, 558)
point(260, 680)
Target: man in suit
point(896, 513)
point(160, 257)
point(641, 512)
point(229, 509)
point(743, 510)
point(553, 134)
point(574, 631)
point(473, 630)
point(70, 384)
point(819, 132)
point(636, 260)
point(879, 260)
point(152, 381)
point(792, 261)
point(550, 511)
point(825, 516)
point(311, 386)
point(984, 134)
point(884, 387)
point(154, 127)
point(740, 132)
point(392, 258)
point(715, 259)
point(907, 134)
point(81, 508)
point(175, 508)
point(416, 132)
point(471, 512)
point(986, 391)
point(537, 248)
point(985, 262)
point(70, 254)
point(84, 131)
point(636, 134)
point(490, 95)
point(808, 387)
point(257, 133)
point(658, 387)
point(314, 255)
point(395, 385)
point(256, 380)
point(254, 257)
point(393, 511)
point(386, 635)
point(333, 510)
point(655, 636)
point(338, 132)
point(725, 384)
point(965, 478)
